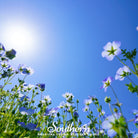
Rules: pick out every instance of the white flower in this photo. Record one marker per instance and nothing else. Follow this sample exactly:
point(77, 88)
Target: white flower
point(67, 105)
point(87, 102)
point(85, 109)
point(136, 136)
point(106, 83)
point(109, 121)
point(122, 73)
point(102, 112)
point(43, 101)
point(68, 96)
point(47, 98)
point(53, 111)
point(61, 105)
point(20, 94)
point(4, 64)
point(111, 50)
point(25, 70)
point(28, 87)
point(22, 97)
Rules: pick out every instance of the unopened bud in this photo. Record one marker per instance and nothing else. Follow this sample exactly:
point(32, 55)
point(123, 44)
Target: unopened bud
point(107, 99)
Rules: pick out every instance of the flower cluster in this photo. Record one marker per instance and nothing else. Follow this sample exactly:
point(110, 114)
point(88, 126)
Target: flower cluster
point(25, 109)
point(109, 122)
point(116, 124)
point(68, 96)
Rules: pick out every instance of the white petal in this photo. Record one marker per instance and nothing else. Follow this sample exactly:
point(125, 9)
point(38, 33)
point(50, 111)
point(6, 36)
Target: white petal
point(136, 120)
point(118, 51)
point(110, 79)
point(121, 78)
point(136, 136)
point(104, 53)
point(111, 133)
point(106, 125)
point(117, 77)
point(105, 89)
point(110, 58)
point(126, 69)
point(119, 71)
point(111, 118)
point(108, 46)
point(116, 44)
point(117, 115)
point(20, 95)
point(24, 113)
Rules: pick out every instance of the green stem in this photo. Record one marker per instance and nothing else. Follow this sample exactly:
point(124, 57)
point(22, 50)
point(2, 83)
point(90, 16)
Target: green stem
point(41, 95)
point(71, 111)
point(64, 120)
point(1, 69)
point(8, 80)
point(116, 99)
point(111, 110)
point(119, 105)
point(99, 121)
point(136, 72)
point(114, 93)
point(131, 80)
point(12, 77)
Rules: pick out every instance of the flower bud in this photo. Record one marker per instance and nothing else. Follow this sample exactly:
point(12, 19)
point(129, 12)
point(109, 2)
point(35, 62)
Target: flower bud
point(58, 114)
point(115, 110)
point(99, 109)
point(107, 99)
point(75, 114)
point(77, 101)
point(37, 93)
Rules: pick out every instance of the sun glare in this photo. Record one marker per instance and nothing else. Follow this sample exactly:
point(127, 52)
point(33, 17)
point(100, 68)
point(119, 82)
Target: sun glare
point(20, 38)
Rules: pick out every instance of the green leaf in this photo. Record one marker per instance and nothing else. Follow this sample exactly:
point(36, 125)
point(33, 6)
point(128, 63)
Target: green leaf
point(129, 55)
point(131, 88)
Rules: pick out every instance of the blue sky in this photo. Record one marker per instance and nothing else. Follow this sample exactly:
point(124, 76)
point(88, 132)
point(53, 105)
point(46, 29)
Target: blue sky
point(69, 39)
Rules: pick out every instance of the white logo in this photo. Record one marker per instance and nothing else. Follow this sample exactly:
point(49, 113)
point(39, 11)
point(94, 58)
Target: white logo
point(70, 128)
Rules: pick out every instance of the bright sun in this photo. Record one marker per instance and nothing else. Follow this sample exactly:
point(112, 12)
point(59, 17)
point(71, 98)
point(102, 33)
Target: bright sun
point(19, 38)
